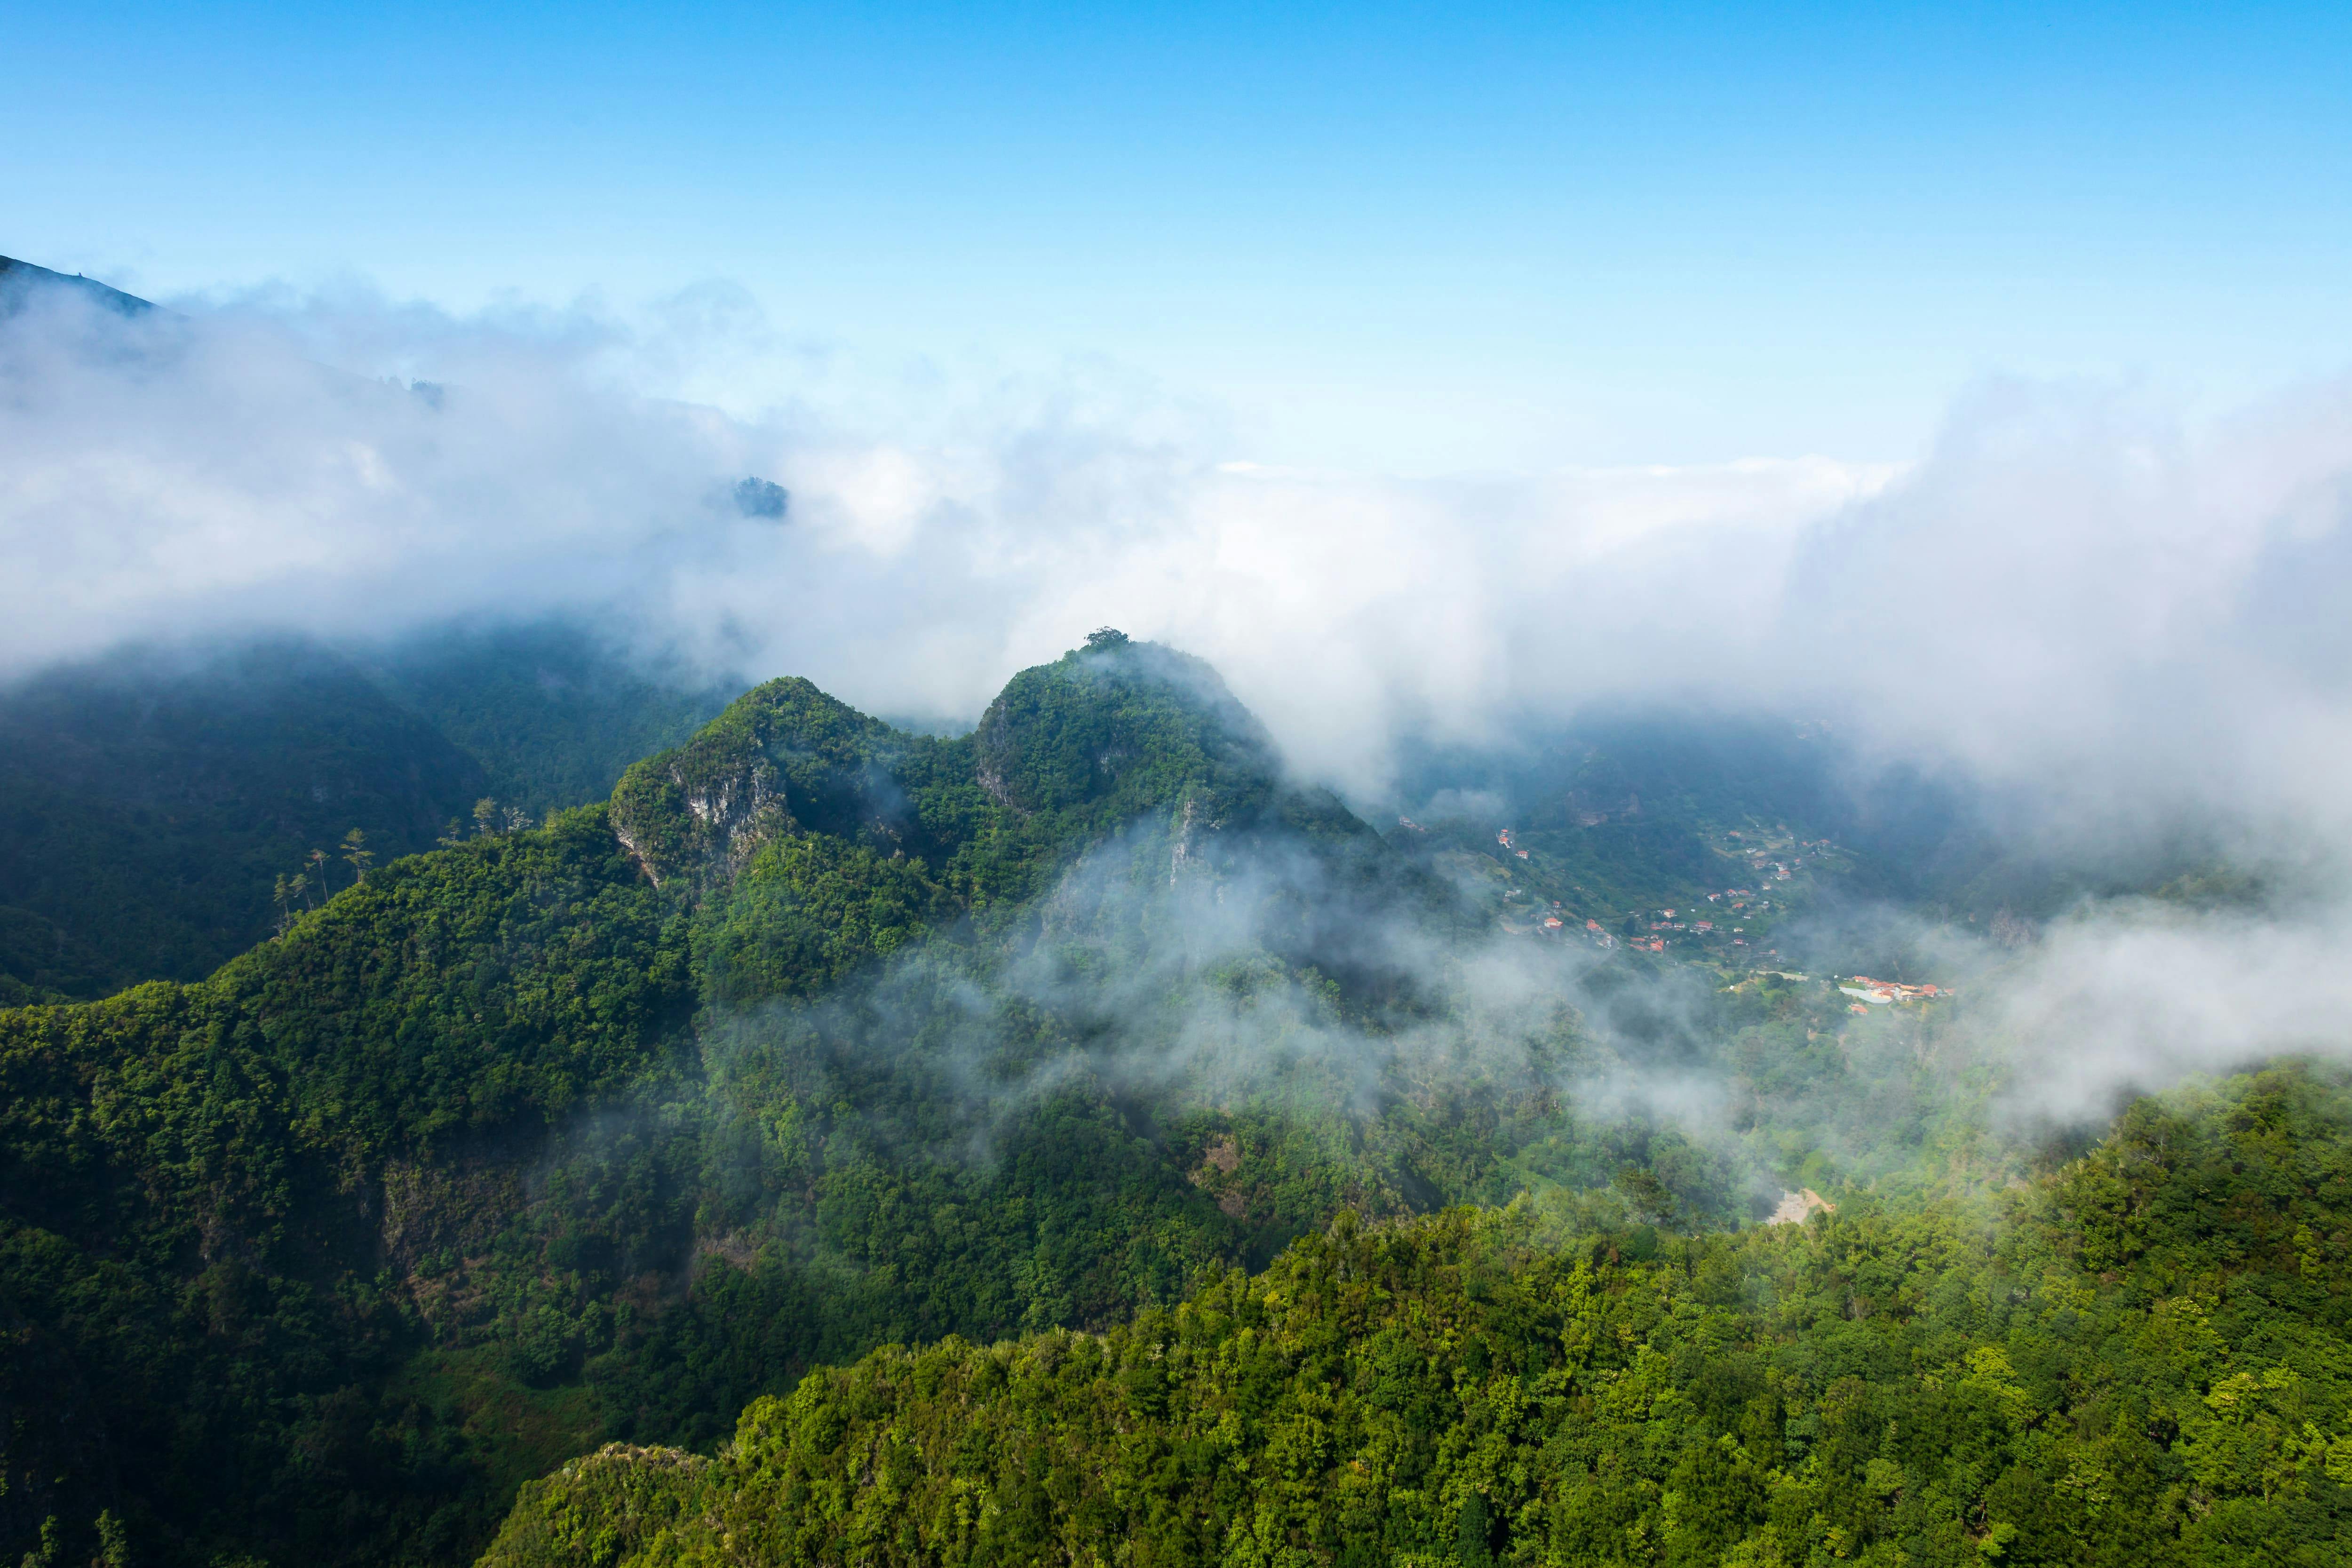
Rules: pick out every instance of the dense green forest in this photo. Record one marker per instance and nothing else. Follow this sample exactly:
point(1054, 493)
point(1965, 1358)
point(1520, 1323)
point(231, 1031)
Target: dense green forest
point(602, 1124)
point(2143, 1358)
point(552, 713)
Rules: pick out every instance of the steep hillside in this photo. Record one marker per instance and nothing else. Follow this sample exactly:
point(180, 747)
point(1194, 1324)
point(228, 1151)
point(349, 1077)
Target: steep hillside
point(210, 1194)
point(552, 713)
point(21, 282)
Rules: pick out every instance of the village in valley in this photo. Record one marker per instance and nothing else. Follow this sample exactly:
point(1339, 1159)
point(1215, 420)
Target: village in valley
point(1731, 921)
point(1547, 884)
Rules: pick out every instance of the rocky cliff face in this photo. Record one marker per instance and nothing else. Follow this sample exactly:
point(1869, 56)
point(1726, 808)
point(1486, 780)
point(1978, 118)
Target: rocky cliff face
point(731, 815)
point(1125, 741)
point(783, 756)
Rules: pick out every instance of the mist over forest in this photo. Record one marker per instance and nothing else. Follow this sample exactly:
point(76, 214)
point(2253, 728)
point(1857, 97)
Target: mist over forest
point(591, 978)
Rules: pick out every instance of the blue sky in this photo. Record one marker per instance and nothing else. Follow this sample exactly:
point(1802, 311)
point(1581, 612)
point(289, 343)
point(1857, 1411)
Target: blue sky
point(1421, 239)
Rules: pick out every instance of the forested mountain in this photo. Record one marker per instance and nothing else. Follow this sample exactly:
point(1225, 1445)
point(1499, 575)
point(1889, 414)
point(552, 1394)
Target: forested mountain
point(820, 1036)
point(149, 806)
point(151, 802)
point(607, 1126)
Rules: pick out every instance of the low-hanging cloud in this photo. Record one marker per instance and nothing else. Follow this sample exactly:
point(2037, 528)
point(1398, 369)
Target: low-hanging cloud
point(2130, 997)
point(2132, 618)
point(2072, 587)
point(177, 476)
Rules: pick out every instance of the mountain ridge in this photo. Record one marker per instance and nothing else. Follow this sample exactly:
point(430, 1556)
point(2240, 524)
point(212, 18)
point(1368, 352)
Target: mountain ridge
point(355, 1096)
point(19, 281)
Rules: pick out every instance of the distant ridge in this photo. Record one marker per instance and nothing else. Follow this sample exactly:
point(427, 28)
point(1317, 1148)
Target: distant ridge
point(20, 278)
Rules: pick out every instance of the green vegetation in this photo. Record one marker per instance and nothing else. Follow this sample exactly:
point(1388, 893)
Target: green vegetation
point(2143, 1359)
point(311, 1243)
point(212, 1190)
point(1067, 754)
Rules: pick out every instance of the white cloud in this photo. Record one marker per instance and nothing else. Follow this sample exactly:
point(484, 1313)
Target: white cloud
point(2076, 594)
point(2131, 996)
point(2074, 590)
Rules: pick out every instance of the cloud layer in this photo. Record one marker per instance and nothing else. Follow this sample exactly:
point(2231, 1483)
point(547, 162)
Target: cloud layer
point(2073, 590)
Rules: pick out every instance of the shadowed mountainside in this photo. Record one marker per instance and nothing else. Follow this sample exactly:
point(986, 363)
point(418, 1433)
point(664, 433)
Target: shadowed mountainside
point(149, 802)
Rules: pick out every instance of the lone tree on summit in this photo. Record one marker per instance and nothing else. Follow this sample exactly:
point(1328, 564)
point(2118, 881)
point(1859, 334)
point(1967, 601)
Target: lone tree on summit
point(1103, 638)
